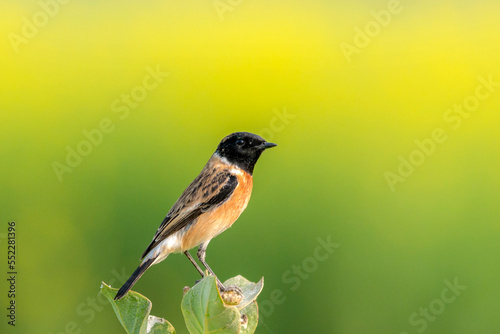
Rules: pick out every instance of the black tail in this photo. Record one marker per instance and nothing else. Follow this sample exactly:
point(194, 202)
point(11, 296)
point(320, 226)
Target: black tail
point(134, 278)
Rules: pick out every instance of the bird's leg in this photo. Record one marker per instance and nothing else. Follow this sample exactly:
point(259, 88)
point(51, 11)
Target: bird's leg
point(201, 256)
point(194, 263)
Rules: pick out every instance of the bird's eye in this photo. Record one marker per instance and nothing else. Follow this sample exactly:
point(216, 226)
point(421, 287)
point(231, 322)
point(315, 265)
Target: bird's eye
point(240, 142)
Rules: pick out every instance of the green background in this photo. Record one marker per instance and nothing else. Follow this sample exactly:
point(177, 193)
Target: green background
point(350, 119)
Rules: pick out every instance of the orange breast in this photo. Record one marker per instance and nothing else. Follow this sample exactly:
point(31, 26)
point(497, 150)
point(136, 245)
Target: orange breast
point(216, 221)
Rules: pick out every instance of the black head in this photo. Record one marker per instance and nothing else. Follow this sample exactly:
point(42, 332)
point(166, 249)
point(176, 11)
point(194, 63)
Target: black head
point(243, 149)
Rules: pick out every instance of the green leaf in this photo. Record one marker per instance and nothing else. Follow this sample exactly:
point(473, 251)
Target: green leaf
point(250, 290)
point(159, 326)
point(252, 318)
point(205, 312)
point(248, 306)
point(133, 313)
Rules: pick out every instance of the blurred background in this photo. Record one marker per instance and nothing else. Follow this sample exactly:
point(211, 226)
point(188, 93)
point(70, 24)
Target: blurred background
point(377, 213)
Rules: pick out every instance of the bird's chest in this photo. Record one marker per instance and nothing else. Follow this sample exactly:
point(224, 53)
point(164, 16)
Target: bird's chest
point(231, 209)
point(216, 221)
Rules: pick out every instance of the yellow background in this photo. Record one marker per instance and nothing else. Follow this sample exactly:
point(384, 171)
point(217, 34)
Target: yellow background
point(349, 123)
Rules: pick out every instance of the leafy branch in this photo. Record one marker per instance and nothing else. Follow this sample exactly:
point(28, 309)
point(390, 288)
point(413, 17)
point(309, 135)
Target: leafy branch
point(204, 308)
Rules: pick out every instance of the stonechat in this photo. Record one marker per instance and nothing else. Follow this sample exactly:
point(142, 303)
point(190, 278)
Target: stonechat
point(208, 206)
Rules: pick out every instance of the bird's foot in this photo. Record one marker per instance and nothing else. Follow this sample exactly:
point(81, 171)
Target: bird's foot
point(229, 288)
point(231, 294)
point(205, 274)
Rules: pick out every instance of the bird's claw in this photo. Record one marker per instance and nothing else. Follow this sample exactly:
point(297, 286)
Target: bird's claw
point(231, 294)
point(231, 288)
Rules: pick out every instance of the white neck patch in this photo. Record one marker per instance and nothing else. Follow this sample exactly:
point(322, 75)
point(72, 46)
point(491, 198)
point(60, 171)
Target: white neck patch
point(235, 169)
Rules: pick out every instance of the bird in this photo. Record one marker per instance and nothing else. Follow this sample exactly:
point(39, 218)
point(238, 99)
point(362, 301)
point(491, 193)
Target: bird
point(207, 207)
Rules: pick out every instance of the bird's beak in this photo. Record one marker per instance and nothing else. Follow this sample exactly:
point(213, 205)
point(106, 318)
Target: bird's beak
point(267, 145)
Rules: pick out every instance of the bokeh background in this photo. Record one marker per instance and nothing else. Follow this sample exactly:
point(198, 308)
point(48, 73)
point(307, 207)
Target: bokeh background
point(276, 68)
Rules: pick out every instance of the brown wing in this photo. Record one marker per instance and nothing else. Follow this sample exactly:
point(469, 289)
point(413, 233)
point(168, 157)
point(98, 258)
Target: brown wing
point(209, 190)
